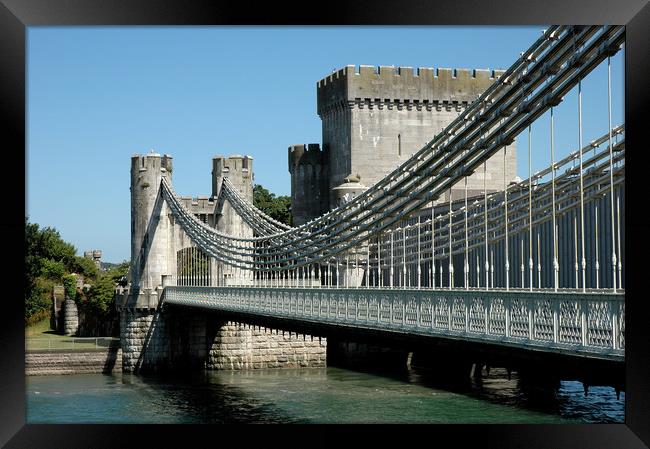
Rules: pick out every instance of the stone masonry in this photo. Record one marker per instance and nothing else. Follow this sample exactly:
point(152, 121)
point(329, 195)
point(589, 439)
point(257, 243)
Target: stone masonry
point(154, 339)
point(241, 346)
point(70, 317)
point(177, 338)
point(375, 118)
point(57, 362)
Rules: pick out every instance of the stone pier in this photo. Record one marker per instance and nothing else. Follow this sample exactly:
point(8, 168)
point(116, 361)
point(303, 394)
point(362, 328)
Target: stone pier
point(161, 340)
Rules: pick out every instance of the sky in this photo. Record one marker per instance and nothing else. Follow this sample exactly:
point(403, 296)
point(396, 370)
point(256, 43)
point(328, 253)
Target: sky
point(98, 95)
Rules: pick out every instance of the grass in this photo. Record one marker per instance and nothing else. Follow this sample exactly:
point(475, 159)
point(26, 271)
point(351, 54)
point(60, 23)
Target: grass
point(41, 336)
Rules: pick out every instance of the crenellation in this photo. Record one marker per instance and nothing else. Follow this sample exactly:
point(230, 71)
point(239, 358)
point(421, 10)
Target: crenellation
point(349, 85)
point(373, 117)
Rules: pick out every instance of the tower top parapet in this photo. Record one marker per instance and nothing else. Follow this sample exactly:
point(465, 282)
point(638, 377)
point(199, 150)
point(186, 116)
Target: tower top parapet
point(389, 84)
point(306, 154)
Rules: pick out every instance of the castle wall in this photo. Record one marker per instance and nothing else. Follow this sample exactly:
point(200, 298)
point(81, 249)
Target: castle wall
point(203, 207)
point(337, 141)
point(376, 118)
point(309, 170)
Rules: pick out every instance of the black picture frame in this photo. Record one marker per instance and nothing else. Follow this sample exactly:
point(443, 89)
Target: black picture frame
point(16, 15)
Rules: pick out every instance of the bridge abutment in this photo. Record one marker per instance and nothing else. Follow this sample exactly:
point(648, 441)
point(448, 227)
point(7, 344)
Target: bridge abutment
point(169, 339)
point(243, 346)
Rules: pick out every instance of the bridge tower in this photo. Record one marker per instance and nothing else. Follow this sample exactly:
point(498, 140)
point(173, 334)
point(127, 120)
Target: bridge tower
point(151, 240)
point(149, 223)
point(239, 171)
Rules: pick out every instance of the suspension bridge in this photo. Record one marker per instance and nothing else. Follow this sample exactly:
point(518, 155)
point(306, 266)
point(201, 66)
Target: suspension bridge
point(535, 267)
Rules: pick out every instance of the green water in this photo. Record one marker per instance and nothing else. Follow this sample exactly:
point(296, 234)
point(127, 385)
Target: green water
point(322, 395)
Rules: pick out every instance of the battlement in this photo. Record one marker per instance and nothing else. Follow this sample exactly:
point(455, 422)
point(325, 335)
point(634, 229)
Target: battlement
point(421, 87)
point(154, 160)
point(199, 204)
point(301, 154)
point(237, 168)
point(236, 162)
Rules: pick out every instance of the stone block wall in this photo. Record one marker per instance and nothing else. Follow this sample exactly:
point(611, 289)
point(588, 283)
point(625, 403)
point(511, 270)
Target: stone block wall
point(144, 343)
point(57, 362)
point(186, 339)
point(241, 346)
point(70, 317)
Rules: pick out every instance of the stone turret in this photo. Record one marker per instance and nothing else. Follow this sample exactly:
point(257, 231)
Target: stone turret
point(309, 170)
point(374, 118)
point(149, 245)
point(239, 171)
point(95, 256)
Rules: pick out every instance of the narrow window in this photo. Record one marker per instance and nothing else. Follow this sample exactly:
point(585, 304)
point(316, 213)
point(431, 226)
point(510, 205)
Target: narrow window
point(399, 144)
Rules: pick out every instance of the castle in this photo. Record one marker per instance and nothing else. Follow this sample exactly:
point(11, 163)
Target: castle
point(374, 119)
point(371, 121)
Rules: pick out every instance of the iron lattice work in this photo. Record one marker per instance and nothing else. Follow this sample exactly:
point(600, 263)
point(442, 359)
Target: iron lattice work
point(573, 323)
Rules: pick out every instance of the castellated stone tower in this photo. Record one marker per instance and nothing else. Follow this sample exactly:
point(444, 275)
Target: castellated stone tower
point(375, 118)
point(149, 226)
point(308, 166)
point(239, 171)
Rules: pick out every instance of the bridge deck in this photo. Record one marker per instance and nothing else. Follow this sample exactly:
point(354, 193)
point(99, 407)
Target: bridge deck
point(588, 325)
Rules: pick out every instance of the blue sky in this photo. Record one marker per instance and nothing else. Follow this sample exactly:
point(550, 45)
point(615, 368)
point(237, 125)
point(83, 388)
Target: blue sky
point(98, 95)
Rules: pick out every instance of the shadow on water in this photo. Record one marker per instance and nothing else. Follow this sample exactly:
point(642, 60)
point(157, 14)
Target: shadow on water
point(213, 402)
point(312, 395)
point(564, 399)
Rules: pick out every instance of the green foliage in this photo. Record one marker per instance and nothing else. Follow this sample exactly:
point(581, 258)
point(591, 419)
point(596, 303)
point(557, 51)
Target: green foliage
point(52, 269)
point(118, 273)
point(101, 295)
point(85, 267)
point(38, 317)
point(39, 301)
point(47, 260)
point(277, 207)
point(51, 246)
point(70, 286)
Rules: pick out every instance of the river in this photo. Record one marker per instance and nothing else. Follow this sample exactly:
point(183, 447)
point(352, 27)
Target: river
point(318, 395)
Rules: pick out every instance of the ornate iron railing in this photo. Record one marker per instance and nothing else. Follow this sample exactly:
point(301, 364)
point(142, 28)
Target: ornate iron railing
point(584, 324)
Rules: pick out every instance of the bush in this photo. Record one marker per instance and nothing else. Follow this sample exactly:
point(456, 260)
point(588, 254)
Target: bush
point(51, 269)
point(37, 317)
point(277, 207)
point(70, 286)
point(101, 296)
point(85, 267)
point(39, 302)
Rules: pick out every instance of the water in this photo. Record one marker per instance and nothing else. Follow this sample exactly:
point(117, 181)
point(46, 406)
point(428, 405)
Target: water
point(322, 395)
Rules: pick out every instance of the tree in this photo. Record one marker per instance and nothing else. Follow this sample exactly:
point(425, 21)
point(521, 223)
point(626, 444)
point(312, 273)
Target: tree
point(52, 269)
point(85, 267)
point(48, 259)
point(277, 207)
point(118, 273)
point(70, 286)
point(101, 295)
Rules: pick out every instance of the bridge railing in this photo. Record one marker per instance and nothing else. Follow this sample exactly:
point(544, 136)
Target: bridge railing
point(586, 324)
